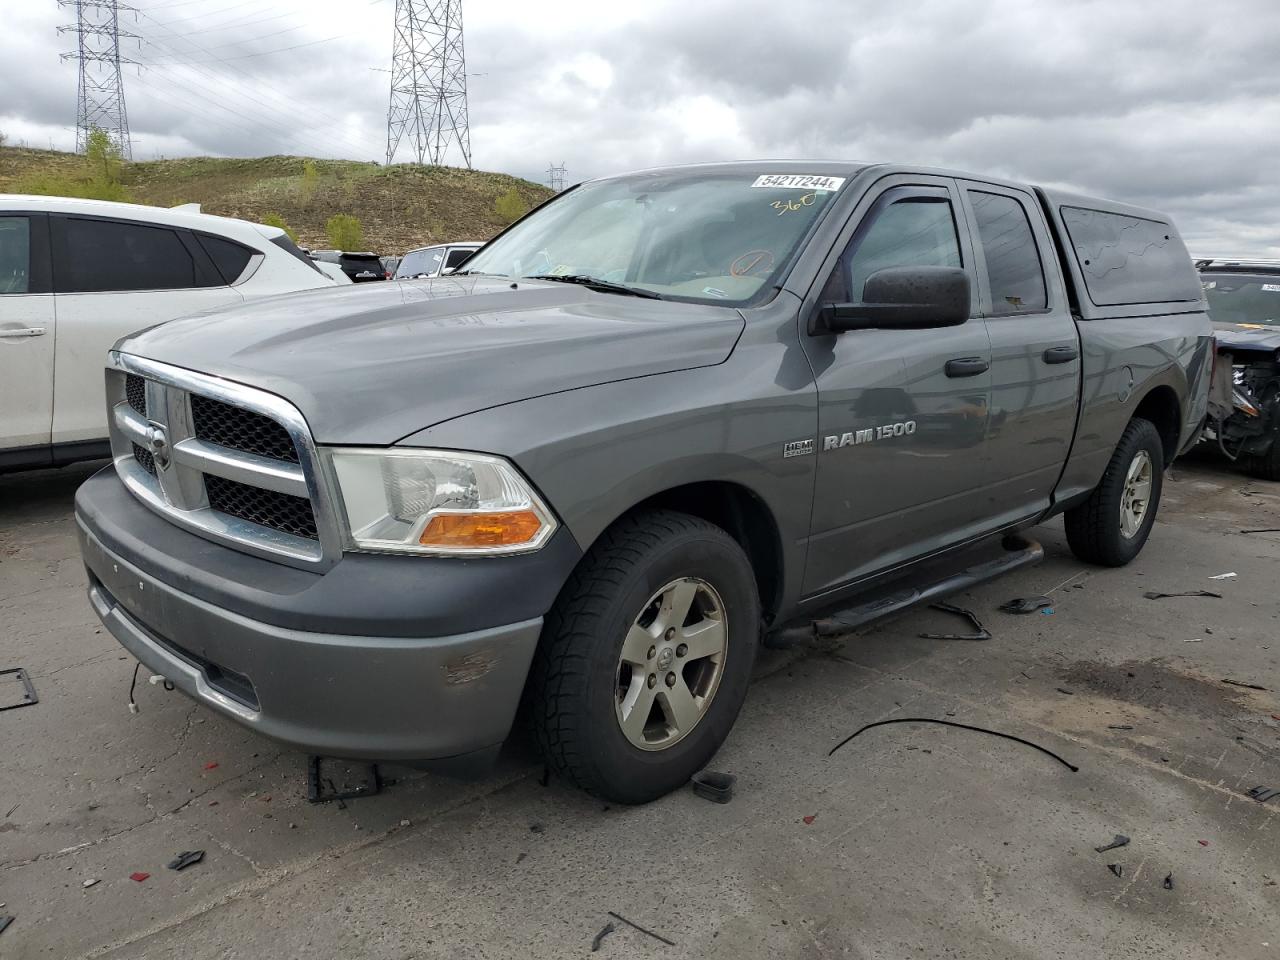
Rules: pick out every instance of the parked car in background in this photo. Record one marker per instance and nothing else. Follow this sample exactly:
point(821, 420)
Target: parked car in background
point(435, 261)
point(77, 275)
point(1244, 305)
point(389, 265)
point(359, 267)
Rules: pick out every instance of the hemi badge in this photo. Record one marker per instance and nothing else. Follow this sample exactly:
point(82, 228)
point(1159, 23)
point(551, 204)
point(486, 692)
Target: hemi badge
point(797, 448)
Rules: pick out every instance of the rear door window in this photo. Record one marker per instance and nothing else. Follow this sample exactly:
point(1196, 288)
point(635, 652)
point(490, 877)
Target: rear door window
point(15, 255)
point(457, 257)
point(1014, 273)
point(104, 255)
point(1130, 260)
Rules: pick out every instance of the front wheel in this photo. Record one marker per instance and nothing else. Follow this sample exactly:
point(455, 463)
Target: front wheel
point(646, 656)
point(1112, 525)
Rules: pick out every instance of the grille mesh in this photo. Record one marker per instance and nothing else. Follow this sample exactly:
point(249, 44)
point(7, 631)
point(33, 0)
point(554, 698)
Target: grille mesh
point(135, 390)
point(239, 429)
point(279, 511)
point(145, 459)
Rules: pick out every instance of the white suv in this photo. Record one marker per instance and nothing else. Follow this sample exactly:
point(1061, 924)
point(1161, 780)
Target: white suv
point(77, 275)
point(435, 261)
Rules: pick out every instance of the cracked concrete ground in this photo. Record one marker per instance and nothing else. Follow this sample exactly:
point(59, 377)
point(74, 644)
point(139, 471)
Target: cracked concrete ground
point(924, 840)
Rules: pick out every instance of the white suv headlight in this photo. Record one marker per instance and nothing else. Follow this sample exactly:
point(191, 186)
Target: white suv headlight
point(438, 502)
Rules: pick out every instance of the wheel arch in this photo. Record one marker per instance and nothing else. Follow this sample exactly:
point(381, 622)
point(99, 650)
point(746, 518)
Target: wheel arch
point(1160, 406)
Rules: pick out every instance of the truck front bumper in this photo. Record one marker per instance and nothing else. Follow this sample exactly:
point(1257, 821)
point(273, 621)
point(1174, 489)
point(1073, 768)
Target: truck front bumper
point(373, 693)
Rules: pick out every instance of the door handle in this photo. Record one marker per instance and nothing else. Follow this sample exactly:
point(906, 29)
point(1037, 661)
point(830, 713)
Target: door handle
point(22, 332)
point(967, 366)
point(1060, 354)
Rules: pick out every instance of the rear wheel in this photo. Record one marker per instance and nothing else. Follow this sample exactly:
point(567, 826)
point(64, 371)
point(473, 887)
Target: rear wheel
point(646, 656)
point(1111, 527)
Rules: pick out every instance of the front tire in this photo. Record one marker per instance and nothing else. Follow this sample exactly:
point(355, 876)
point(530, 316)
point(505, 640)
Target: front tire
point(1111, 527)
point(646, 656)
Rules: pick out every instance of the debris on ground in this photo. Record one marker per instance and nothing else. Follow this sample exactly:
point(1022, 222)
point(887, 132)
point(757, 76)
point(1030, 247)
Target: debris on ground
point(980, 632)
point(1153, 595)
point(1120, 726)
point(1224, 576)
point(1262, 793)
point(29, 697)
point(536, 828)
point(1203, 843)
point(405, 823)
point(1168, 881)
point(1069, 693)
point(1116, 869)
point(521, 857)
point(211, 765)
point(1026, 604)
point(1242, 683)
point(809, 818)
point(89, 883)
point(599, 937)
point(1193, 640)
point(185, 859)
point(1263, 530)
point(318, 779)
point(138, 876)
point(636, 926)
point(1120, 841)
point(717, 787)
point(950, 723)
point(4, 923)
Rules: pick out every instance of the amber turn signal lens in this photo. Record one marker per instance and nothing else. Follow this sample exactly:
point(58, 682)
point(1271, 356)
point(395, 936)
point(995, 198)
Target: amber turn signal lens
point(481, 529)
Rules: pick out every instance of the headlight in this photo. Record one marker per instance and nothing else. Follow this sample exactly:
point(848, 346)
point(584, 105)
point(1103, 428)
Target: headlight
point(438, 502)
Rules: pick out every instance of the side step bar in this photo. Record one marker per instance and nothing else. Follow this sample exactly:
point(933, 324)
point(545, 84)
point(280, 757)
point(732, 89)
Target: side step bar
point(1018, 552)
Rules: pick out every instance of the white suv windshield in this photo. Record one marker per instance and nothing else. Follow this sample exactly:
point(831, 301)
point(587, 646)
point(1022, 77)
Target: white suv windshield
point(718, 237)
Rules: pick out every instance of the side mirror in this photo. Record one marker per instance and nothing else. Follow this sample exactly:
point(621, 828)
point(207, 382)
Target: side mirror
point(904, 298)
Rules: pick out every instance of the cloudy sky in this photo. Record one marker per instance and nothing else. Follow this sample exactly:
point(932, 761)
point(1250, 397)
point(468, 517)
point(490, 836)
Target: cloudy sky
point(1173, 104)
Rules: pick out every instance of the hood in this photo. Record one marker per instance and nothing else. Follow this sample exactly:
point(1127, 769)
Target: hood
point(372, 363)
point(1247, 337)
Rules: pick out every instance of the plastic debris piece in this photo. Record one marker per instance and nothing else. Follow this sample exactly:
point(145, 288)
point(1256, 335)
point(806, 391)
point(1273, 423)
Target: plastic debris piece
point(1120, 841)
point(1242, 683)
point(1263, 793)
point(89, 883)
point(1263, 530)
point(404, 823)
point(4, 923)
point(599, 937)
point(1203, 843)
point(809, 819)
point(1168, 881)
point(1193, 640)
point(1047, 611)
point(1119, 726)
point(636, 926)
point(1026, 604)
point(713, 786)
point(1224, 576)
point(1116, 869)
point(951, 723)
point(211, 765)
point(1069, 693)
point(1153, 595)
point(185, 859)
point(980, 632)
point(138, 876)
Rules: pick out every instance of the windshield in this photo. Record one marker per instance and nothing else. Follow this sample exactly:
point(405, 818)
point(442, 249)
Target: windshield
point(1243, 298)
point(717, 237)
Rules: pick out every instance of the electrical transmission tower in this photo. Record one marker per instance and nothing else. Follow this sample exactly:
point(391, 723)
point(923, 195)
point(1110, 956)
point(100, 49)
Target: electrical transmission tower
point(428, 81)
point(555, 177)
point(100, 92)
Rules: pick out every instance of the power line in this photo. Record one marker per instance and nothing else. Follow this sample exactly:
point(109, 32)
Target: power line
point(100, 89)
point(428, 81)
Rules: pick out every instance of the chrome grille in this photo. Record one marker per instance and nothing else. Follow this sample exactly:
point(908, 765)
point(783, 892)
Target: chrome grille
point(226, 461)
point(279, 511)
point(241, 429)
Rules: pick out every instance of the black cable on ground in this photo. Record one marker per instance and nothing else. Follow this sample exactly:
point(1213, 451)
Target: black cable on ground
point(133, 704)
point(963, 726)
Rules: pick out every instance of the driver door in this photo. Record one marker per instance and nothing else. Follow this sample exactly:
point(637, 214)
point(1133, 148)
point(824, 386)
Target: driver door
point(901, 413)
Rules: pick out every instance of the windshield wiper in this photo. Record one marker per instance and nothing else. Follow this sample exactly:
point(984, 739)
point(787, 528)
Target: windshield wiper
point(595, 283)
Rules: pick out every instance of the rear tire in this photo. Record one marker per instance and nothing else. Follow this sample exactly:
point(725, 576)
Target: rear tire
point(1106, 528)
point(625, 700)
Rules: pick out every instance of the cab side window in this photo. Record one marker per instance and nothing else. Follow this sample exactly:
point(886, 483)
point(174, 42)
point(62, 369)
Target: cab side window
point(911, 232)
point(457, 257)
point(1009, 247)
point(15, 255)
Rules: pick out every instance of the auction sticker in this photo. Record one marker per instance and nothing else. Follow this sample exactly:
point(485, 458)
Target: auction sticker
point(1271, 287)
point(798, 181)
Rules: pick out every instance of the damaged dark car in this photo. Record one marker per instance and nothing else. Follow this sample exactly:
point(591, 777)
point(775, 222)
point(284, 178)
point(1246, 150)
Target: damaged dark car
point(1244, 408)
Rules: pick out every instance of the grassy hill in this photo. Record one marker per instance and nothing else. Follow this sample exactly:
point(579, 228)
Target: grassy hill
point(400, 207)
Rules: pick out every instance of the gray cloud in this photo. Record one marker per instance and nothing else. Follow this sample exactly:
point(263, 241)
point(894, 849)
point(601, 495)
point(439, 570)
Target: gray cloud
point(1167, 103)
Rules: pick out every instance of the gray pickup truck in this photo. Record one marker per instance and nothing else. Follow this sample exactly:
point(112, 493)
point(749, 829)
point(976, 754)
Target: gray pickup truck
point(661, 418)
